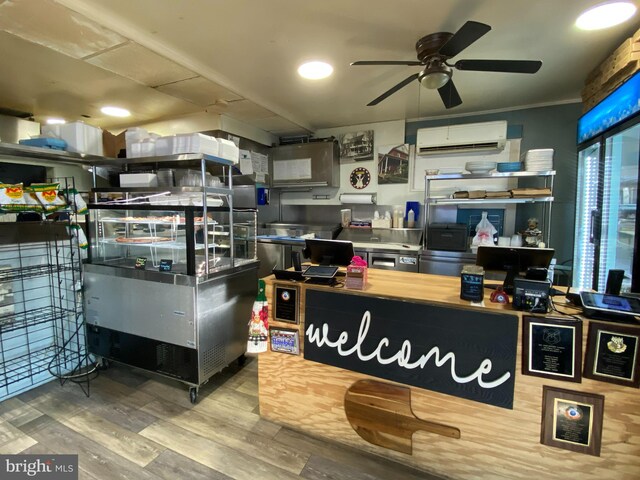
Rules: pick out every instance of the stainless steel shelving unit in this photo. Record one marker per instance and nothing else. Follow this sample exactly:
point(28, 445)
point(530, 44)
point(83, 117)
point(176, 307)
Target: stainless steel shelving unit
point(429, 202)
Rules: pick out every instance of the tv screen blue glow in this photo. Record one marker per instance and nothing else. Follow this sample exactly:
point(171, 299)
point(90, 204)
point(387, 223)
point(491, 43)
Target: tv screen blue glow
point(621, 104)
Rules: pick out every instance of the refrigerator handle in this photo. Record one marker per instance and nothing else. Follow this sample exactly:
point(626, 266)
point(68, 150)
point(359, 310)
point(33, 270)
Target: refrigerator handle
point(593, 233)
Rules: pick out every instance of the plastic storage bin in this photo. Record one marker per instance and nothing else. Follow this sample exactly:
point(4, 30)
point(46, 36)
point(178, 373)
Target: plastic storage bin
point(80, 137)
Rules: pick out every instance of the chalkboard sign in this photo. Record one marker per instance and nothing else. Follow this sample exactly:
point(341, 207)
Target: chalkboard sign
point(468, 353)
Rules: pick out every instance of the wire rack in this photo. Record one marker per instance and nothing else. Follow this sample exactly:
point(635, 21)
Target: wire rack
point(41, 308)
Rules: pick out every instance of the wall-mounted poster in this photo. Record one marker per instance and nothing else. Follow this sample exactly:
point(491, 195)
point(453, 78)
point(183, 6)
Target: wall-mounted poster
point(393, 164)
point(357, 146)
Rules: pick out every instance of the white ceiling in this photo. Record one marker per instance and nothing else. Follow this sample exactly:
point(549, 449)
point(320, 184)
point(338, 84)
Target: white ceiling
point(166, 58)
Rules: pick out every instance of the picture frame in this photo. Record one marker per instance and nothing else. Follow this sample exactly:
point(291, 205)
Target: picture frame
point(286, 301)
point(572, 420)
point(552, 348)
point(612, 354)
point(284, 340)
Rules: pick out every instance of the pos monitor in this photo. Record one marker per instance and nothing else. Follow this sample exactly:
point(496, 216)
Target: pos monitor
point(328, 252)
point(513, 261)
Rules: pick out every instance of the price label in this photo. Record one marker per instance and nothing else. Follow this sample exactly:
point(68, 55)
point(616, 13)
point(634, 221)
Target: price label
point(165, 265)
point(141, 263)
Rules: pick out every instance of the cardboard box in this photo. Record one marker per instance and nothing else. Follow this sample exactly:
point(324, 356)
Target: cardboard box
point(112, 144)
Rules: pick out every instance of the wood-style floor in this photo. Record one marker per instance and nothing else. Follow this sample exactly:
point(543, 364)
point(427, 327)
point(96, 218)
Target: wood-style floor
point(140, 426)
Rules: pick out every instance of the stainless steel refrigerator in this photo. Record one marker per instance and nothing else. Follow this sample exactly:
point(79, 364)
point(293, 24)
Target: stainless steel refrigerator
point(606, 232)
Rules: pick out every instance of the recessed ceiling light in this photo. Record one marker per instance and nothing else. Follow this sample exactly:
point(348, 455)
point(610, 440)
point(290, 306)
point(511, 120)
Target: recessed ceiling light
point(315, 70)
point(56, 121)
point(605, 15)
point(115, 111)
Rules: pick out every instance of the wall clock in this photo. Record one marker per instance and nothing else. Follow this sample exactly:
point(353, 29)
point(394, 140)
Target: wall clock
point(360, 178)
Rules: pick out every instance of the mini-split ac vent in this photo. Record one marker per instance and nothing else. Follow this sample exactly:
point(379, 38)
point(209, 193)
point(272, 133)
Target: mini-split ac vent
point(469, 147)
point(471, 137)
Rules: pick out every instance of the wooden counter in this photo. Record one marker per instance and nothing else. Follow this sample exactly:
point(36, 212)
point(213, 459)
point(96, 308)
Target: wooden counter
point(495, 443)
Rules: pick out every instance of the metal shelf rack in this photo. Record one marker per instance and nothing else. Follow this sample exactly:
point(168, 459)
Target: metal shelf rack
point(41, 310)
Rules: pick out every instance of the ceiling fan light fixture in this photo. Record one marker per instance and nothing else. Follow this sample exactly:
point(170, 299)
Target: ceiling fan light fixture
point(435, 77)
point(605, 15)
point(315, 70)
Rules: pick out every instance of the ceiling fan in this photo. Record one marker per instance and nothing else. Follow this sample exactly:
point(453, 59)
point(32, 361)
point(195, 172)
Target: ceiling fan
point(433, 52)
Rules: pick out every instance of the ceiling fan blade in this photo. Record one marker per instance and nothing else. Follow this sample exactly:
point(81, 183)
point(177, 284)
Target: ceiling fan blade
point(468, 33)
point(386, 62)
point(449, 95)
point(509, 66)
point(393, 90)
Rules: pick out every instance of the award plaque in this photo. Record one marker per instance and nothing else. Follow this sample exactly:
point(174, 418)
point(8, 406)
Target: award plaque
point(286, 304)
point(284, 340)
point(572, 420)
point(552, 348)
point(612, 354)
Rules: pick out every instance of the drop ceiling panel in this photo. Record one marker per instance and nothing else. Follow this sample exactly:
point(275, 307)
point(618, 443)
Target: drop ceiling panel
point(140, 64)
point(277, 125)
point(62, 86)
point(199, 91)
point(241, 110)
point(47, 23)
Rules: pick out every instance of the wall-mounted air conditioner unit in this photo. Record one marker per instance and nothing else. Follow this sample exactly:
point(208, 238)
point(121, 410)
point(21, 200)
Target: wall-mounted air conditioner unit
point(471, 137)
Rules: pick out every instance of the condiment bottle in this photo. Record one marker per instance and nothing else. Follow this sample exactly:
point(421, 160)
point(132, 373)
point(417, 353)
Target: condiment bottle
point(411, 219)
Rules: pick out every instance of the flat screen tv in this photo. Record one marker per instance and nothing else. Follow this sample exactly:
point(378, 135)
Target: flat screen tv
point(328, 252)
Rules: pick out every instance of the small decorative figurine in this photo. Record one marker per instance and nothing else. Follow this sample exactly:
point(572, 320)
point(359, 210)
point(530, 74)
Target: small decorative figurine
point(532, 235)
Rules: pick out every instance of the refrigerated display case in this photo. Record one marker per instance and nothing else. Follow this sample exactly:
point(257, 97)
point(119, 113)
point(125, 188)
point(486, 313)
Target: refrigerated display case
point(172, 274)
point(607, 201)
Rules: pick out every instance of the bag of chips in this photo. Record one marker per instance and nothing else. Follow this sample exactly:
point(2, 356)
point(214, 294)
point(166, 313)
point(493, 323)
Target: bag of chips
point(47, 194)
point(12, 197)
point(77, 201)
point(31, 202)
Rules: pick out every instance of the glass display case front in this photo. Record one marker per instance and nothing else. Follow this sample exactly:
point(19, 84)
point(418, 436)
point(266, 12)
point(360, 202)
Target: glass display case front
point(177, 239)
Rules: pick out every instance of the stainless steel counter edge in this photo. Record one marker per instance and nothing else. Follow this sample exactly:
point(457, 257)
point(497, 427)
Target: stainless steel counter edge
point(168, 278)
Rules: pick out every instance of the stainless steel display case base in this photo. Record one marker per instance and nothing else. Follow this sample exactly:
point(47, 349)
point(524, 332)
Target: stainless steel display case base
point(182, 327)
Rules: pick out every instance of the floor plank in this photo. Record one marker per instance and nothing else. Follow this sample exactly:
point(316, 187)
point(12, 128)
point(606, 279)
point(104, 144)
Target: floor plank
point(17, 412)
point(218, 457)
point(13, 440)
point(119, 440)
point(92, 457)
point(170, 465)
point(225, 433)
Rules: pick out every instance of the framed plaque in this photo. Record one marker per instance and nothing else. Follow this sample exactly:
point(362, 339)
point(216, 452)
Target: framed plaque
point(286, 303)
point(552, 348)
point(284, 340)
point(612, 354)
point(572, 420)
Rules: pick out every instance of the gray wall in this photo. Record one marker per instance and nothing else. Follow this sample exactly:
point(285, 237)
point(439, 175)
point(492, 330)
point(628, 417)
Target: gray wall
point(542, 127)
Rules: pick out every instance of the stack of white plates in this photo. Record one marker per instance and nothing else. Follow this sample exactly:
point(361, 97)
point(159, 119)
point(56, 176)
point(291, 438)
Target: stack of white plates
point(480, 167)
point(539, 160)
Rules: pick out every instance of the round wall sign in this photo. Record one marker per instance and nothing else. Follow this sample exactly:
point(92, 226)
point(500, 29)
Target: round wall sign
point(360, 178)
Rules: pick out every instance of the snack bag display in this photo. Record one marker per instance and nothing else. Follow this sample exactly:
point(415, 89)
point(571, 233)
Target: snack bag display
point(31, 201)
point(77, 201)
point(12, 197)
point(47, 194)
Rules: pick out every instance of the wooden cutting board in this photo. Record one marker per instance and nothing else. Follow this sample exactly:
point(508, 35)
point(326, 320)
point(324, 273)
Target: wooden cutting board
point(381, 414)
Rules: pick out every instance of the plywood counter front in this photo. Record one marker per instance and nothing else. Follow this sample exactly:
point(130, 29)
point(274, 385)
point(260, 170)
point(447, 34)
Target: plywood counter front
point(495, 442)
